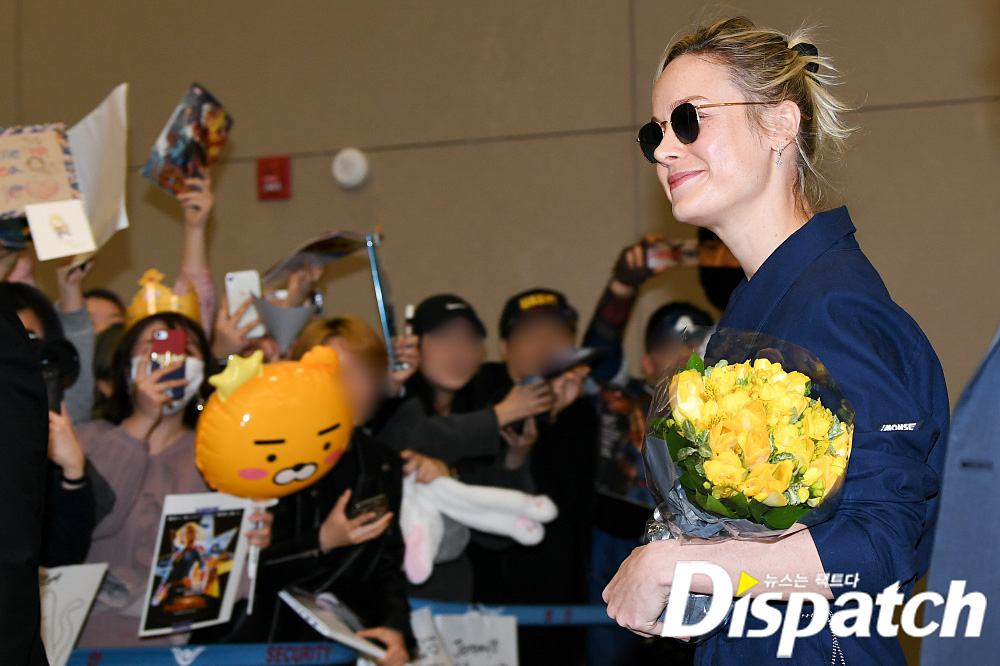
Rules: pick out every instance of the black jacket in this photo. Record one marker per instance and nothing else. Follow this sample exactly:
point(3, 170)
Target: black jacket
point(563, 465)
point(367, 577)
point(24, 438)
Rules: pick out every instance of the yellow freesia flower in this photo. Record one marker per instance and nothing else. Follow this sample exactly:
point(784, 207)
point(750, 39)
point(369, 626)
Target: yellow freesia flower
point(766, 482)
point(816, 422)
point(752, 415)
point(801, 447)
point(686, 396)
point(725, 472)
point(796, 381)
point(722, 436)
point(756, 445)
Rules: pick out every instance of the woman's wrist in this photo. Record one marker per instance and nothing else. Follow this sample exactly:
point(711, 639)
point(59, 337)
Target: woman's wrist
point(504, 413)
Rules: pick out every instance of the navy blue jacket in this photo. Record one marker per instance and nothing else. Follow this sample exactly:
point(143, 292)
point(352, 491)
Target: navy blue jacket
point(818, 290)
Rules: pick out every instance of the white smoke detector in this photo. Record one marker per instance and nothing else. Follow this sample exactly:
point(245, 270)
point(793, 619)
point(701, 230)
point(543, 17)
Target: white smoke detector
point(350, 168)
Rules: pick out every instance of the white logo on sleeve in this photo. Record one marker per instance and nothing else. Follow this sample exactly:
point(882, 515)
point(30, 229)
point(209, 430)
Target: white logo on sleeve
point(901, 426)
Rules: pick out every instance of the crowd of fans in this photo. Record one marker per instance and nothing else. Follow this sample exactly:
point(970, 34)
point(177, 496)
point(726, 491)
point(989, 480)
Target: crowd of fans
point(120, 441)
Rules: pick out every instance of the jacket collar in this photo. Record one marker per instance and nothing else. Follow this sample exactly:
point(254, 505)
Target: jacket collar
point(752, 301)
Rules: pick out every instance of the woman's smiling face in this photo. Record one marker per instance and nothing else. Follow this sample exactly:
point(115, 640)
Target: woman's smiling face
point(728, 165)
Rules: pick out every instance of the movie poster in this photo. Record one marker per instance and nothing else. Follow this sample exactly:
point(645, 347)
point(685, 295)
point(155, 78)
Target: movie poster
point(191, 140)
point(198, 562)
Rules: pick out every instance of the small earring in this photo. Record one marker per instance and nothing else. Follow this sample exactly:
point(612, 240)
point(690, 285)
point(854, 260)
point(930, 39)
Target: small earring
point(779, 156)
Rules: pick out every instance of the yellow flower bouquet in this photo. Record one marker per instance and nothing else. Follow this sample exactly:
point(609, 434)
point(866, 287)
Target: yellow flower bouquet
point(747, 448)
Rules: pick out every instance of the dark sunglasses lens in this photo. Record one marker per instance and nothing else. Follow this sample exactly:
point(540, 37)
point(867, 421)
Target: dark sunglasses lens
point(650, 136)
point(684, 121)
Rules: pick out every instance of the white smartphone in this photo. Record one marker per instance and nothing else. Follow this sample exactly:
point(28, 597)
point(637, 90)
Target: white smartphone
point(241, 285)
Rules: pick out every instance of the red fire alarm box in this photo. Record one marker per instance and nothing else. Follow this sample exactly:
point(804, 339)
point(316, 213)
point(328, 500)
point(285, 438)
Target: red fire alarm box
point(274, 180)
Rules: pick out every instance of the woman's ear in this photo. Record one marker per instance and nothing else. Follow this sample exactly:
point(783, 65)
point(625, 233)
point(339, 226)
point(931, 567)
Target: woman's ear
point(785, 121)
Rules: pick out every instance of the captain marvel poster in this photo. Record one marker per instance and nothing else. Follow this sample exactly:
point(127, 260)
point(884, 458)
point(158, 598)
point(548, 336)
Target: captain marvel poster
point(198, 563)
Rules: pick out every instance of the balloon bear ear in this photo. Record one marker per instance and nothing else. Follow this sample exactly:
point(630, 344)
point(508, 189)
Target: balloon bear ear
point(322, 356)
point(238, 372)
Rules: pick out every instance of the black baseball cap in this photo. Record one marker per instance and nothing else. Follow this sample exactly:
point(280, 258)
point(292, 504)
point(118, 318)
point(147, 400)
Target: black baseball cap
point(669, 322)
point(442, 308)
point(536, 301)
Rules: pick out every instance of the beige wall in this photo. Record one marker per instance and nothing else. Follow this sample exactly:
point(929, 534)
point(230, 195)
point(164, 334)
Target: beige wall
point(501, 137)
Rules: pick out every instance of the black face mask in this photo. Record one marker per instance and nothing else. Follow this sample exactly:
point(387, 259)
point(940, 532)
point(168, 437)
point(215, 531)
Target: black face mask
point(719, 282)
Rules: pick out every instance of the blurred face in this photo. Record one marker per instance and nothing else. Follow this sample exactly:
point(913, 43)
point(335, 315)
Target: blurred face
point(31, 323)
point(534, 344)
point(727, 168)
point(103, 313)
point(667, 357)
point(364, 382)
point(450, 355)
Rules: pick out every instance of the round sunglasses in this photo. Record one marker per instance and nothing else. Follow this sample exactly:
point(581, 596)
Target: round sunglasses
point(684, 122)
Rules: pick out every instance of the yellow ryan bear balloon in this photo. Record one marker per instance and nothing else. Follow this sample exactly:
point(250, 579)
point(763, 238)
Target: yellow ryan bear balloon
point(271, 430)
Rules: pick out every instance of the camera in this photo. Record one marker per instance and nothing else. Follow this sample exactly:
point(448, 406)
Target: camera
point(60, 367)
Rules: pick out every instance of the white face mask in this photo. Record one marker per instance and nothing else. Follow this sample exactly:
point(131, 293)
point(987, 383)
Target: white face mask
point(194, 372)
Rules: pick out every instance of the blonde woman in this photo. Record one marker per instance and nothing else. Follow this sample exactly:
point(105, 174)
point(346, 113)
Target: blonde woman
point(744, 123)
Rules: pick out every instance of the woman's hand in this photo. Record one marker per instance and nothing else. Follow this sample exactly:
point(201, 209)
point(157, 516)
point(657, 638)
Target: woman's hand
point(631, 270)
point(301, 284)
point(196, 201)
point(404, 348)
point(395, 645)
point(339, 530)
point(261, 536)
point(524, 400)
point(637, 594)
point(519, 444)
point(567, 387)
point(64, 448)
point(228, 337)
point(70, 283)
point(149, 395)
point(426, 468)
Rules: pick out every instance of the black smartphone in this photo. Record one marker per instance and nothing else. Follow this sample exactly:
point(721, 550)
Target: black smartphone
point(377, 504)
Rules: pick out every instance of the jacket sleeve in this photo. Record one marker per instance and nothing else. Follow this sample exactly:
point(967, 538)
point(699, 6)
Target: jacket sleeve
point(889, 374)
point(80, 332)
point(69, 521)
point(606, 331)
point(450, 438)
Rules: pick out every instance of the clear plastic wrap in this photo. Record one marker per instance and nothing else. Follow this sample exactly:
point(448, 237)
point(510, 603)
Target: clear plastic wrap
point(727, 426)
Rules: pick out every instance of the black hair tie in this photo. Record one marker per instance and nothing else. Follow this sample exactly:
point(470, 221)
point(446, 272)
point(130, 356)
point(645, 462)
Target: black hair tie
point(808, 50)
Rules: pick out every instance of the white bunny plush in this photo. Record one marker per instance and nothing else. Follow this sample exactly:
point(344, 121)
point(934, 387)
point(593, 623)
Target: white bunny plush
point(502, 511)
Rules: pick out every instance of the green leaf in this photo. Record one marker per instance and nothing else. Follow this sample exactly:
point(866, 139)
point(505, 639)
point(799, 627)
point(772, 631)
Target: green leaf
point(778, 457)
point(689, 432)
point(685, 452)
point(783, 517)
point(757, 510)
point(675, 442)
point(716, 506)
point(809, 387)
point(739, 504)
point(695, 363)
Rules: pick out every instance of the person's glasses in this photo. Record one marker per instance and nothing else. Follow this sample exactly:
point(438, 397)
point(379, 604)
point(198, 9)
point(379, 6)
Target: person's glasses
point(684, 122)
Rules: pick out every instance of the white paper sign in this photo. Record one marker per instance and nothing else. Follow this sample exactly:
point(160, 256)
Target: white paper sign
point(479, 639)
point(67, 593)
point(98, 145)
point(431, 650)
point(59, 229)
